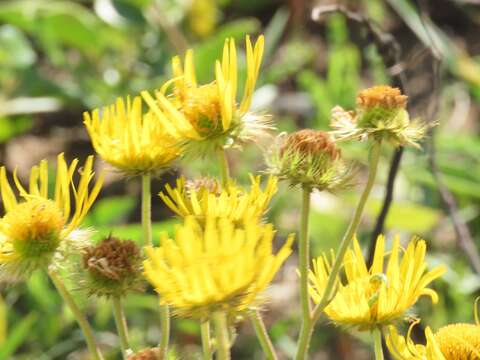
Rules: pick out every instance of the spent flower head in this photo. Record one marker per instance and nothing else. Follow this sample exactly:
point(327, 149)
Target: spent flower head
point(113, 267)
point(130, 140)
point(374, 297)
point(308, 158)
point(207, 198)
point(38, 229)
point(208, 117)
point(381, 115)
point(214, 267)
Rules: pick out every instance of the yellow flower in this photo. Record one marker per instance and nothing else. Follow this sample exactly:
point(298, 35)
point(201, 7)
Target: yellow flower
point(403, 348)
point(207, 199)
point(376, 297)
point(39, 227)
point(451, 342)
point(208, 116)
point(380, 115)
point(215, 267)
point(130, 140)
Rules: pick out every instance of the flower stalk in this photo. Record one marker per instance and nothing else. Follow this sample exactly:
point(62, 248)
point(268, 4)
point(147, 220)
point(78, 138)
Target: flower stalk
point(206, 341)
point(147, 238)
point(377, 338)
point(121, 323)
point(224, 168)
point(221, 335)
point(262, 335)
point(329, 292)
point(77, 313)
point(304, 258)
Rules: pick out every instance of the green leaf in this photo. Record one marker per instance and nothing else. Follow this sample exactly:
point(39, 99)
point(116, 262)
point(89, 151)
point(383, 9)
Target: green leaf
point(412, 217)
point(20, 331)
point(15, 49)
point(111, 210)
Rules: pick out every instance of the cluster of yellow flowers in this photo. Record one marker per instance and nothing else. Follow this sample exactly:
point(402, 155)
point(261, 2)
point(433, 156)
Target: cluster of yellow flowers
point(220, 259)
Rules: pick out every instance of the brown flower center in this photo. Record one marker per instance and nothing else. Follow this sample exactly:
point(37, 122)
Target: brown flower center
point(381, 96)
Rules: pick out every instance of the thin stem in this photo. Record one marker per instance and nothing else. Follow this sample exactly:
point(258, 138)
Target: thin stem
point(304, 259)
point(165, 328)
point(377, 339)
point(262, 335)
point(344, 245)
point(206, 342)
point(221, 335)
point(81, 320)
point(121, 323)
point(147, 239)
point(224, 168)
point(147, 209)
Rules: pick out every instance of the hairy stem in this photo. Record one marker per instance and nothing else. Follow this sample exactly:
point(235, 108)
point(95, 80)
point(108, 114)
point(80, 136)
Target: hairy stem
point(77, 313)
point(224, 168)
point(206, 341)
point(329, 291)
point(262, 335)
point(221, 335)
point(147, 239)
point(377, 338)
point(121, 323)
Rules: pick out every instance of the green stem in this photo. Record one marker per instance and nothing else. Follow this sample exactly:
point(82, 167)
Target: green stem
point(224, 168)
point(377, 339)
point(206, 342)
point(304, 258)
point(221, 335)
point(77, 313)
point(147, 239)
point(121, 323)
point(328, 293)
point(147, 209)
point(262, 335)
point(165, 328)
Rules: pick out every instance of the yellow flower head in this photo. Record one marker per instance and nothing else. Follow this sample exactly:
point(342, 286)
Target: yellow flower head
point(207, 199)
point(203, 16)
point(451, 342)
point(214, 267)
point(130, 140)
point(38, 227)
point(309, 158)
point(403, 348)
point(380, 115)
point(376, 297)
point(208, 116)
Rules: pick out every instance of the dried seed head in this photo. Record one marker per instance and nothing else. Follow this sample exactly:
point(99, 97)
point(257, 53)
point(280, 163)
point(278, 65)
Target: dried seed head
point(310, 142)
point(113, 267)
point(381, 96)
point(147, 354)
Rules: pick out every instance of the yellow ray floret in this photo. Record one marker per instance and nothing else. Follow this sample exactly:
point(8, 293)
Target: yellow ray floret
point(208, 199)
point(36, 223)
point(198, 112)
point(213, 267)
point(403, 348)
point(130, 140)
point(372, 297)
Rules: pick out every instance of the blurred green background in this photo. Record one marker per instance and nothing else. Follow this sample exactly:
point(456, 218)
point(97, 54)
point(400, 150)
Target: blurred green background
point(60, 58)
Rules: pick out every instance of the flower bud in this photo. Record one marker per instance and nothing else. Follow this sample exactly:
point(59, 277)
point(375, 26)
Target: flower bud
point(381, 114)
point(113, 267)
point(309, 158)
